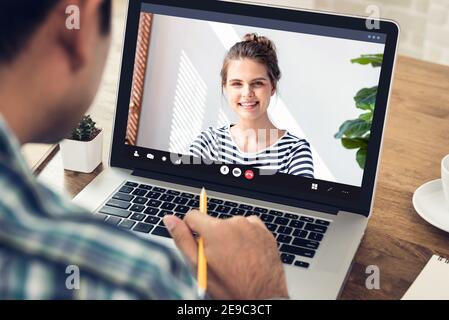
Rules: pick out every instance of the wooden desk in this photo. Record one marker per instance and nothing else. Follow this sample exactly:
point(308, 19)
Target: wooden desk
point(397, 240)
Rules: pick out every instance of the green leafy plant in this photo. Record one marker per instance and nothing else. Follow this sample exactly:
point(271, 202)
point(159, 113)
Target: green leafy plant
point(85, 131)
point(355, 134)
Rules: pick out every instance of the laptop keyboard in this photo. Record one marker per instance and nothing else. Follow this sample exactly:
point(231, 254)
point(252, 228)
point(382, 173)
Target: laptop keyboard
point(141, 207)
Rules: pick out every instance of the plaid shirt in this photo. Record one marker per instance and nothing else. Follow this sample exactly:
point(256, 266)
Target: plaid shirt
point(46, 241)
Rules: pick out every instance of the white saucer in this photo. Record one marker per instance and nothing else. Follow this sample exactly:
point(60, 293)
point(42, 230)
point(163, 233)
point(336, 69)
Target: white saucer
point(431, 205)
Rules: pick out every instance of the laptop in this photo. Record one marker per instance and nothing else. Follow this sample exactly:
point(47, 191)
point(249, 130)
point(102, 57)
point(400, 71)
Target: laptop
point(330, 104)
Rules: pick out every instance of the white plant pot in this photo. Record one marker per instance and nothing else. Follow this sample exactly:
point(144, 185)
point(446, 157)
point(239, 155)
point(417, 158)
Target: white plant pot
point(82, 156)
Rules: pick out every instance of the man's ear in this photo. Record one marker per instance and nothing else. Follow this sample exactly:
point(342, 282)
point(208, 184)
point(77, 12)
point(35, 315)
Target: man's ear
point(80, 25)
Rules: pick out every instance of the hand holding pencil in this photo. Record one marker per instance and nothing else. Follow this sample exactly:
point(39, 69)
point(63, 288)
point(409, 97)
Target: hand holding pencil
point(242, 255)
point(202, 262)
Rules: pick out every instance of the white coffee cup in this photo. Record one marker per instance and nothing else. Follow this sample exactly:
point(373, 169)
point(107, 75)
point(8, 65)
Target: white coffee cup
point(445, 177)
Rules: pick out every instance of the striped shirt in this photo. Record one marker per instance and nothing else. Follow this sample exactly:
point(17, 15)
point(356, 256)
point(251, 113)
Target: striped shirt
point(289, 155)
point(46, 242)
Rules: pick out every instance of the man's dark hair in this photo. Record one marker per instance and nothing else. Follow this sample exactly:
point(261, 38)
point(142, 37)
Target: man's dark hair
point(19, 19)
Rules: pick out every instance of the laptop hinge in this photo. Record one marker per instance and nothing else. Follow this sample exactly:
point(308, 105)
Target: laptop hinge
point(237, 191)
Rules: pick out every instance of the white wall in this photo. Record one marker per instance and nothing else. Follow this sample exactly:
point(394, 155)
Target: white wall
point(182, 93)
point(424, 23)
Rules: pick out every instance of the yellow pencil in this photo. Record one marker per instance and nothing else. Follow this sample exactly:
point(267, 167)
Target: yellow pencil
point(202, 263)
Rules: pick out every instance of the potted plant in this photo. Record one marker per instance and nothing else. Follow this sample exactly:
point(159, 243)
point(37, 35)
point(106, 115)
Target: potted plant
point(82, 151)
point(355, 134)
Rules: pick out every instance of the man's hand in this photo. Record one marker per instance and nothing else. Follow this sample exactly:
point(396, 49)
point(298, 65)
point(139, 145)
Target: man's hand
point(242, 257)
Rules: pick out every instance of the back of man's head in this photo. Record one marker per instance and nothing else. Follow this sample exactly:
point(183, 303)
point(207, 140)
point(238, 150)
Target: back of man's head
point(20, 18)
point(57, 62)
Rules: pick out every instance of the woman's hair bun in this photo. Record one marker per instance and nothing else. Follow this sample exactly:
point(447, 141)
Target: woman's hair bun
point(260, 49)
point(253, 37)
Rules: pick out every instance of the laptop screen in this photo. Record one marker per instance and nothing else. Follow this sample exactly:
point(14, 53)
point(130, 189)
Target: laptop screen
point(260, 103)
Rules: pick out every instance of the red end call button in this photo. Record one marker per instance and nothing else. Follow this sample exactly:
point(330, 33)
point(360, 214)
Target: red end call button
point(249, 174)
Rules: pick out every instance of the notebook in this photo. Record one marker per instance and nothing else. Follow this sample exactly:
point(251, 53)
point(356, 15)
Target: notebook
point(37, 154)
point(432, 283)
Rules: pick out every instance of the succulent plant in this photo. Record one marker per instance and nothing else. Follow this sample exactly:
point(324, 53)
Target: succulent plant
point(85, 131)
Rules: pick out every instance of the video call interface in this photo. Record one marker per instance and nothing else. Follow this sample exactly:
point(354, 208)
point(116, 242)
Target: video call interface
point(281, 97)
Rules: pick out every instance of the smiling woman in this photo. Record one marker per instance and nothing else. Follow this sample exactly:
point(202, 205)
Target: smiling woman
point(250, 75)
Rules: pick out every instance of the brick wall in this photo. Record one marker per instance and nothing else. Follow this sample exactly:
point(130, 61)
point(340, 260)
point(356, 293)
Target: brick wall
point(424, 23)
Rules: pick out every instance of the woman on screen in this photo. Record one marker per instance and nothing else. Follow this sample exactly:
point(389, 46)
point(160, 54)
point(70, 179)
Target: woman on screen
point(250, 75)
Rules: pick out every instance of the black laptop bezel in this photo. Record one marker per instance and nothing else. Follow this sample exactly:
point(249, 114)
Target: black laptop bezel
point(342, 197)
